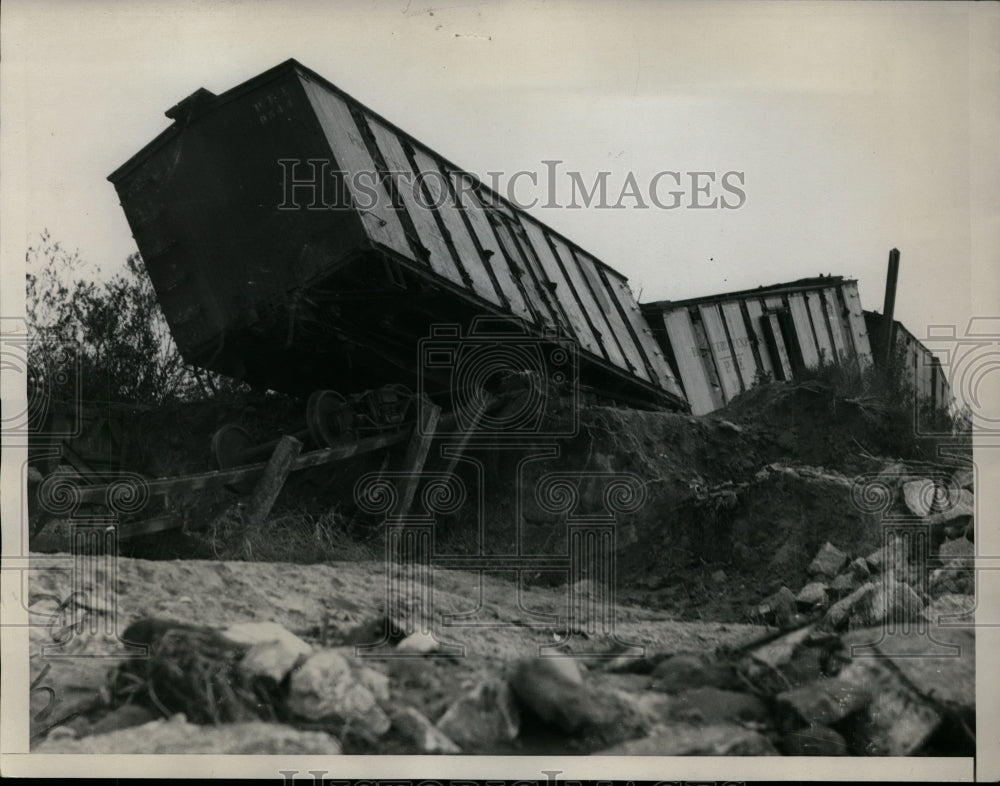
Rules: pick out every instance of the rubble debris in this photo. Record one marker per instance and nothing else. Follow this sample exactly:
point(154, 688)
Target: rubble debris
point(778, 608)
point(826, 702)
point(272, 659)
point(843, 585)
point(828, 561)
point(325, 689)
point(249, 633)
point(812, 595)
point(483, 717)
point(553, 690)
point(959, 547)
point(692, 670)
point(964, 478)
point(419, 643)
point(724, 739)
point(177, 735)
point(813, 740)
point(919, 496)
point(708, 705)
point(421, 733)
point(955, 578)
point(859, 569)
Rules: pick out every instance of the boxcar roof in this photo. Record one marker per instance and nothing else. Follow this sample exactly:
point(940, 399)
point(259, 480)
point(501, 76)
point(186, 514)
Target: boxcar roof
point(203, 101)
point(800, 285)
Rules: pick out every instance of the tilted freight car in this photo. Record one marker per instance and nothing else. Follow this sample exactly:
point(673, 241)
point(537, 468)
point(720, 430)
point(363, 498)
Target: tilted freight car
point(298, 240)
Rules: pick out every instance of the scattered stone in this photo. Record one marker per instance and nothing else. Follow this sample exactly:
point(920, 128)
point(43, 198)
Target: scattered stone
point(727, 425)
point(375, 681)
point(124, 717)
point(964, 478)
point(838, 615)
point(250, 633)
point(828, 561)
point(955, 578)
point(718, 576)
point(424, 735)
point(418, 643)
point(485, 716)
point(825, 702)
point(692, 670)
point(892, 601)
point(713, 705)
point(957, 506)
point(959, 547)
point(777, 653)
point(272, 659)
point(813, 740)
point(178, 736)
point(724, 739)
point(890, 557)
point(812, 595)
point(778, 608)
point(325, 689)
point(553, 690)
point(843, 585)
point(950, 609)
point(898, 721)
point(859, 569)
point(919, 496)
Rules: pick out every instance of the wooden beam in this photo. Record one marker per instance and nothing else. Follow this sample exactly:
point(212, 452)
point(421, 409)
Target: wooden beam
point(273, 480)
point(416, 455)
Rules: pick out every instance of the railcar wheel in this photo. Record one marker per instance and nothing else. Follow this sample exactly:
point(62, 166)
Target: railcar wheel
point(329, 417)
point(229, 444)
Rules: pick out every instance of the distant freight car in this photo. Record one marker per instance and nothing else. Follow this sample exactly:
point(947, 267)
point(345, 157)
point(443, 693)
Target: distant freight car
point(297, 240)
point(724, 344)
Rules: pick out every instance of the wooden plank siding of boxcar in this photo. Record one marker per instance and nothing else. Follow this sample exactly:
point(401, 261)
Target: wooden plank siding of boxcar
point(718, 345)
point(612, 315)
point(545, 315)
point(659, 371)
point(824, 341)
point(775, 304)
point(755, 312)
point(564, 290)
point(592, 311)
point(442, 197)
point(856, 324)
point(352, 157)
point(473, 210)
point(741, 343)
point(440, 257)
point(690, 366)
point(835, 326)
point(803, 330)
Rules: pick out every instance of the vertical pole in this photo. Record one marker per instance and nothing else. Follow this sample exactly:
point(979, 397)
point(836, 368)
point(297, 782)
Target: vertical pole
point(888, 310)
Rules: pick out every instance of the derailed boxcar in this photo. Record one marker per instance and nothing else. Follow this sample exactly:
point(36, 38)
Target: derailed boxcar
point(721, 345)
point(298, 240)
point(917, 364)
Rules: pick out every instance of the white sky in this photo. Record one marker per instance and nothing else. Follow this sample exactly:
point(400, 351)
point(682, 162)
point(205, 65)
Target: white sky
point(859, 127)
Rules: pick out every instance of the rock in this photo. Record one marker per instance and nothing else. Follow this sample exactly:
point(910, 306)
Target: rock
point(950, 608)
point(250, 633)
point(692, 670)
point(63, 689)
point(556, 694)
point(727, 425)
point(825, 702)
point(859, 569)
point(812, 595)
point(919, 496)
point(271, 659)
point(418, 643)
point(955, 578)
point(124, 717)
point(777, 608)
point(890, 557)
point(959, 547)
point(713, 705)
point(718, 576)
point(724, 739)
point(778, 652)
point(485, 716)
point(178, 736)
point(813, 740)
point(843, 585)
point(424, 735)
point(892, 601)
point(953, 507)
point(375, 681)
point(964, 478)
point(324, 688)
point(898, 721)
point(828, 561)
point(838, 615)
